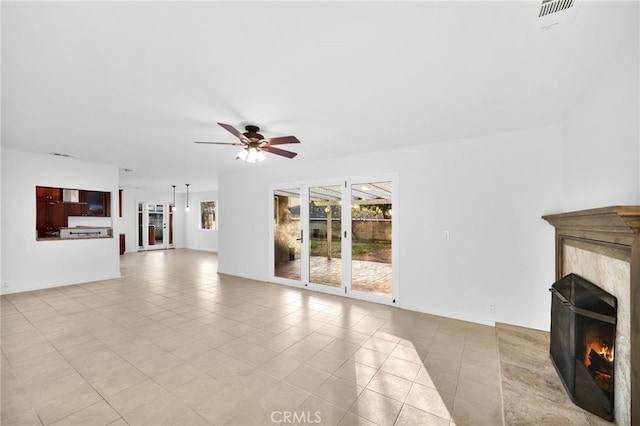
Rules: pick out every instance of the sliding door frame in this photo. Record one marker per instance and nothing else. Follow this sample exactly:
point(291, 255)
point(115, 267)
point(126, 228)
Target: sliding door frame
point(346, 238)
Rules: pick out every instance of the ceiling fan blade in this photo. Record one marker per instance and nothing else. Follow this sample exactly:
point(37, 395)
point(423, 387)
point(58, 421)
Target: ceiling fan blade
point(282, 140)
point(279, 151)
point(222, 143)
point(235, 132)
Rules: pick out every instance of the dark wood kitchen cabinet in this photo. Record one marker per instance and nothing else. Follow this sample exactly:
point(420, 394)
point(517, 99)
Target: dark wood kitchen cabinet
point(76, 209)
point(50, 211)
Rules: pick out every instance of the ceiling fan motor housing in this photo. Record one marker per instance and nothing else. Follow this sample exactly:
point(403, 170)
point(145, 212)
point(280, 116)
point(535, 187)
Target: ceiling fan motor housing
point(252, 132)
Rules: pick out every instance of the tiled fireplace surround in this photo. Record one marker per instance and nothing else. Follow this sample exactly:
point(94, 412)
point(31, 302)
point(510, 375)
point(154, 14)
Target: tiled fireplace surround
point(603, 246)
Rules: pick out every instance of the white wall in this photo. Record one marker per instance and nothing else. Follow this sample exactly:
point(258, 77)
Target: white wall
point(602, 138)
point(488, 192)
point(196, 238)
point(29, 264)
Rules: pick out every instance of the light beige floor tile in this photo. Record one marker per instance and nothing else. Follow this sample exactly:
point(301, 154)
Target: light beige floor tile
point(401, 368)
point(222, 406)
point(177, 376)
point(339, 392)
point(119, 381)
point(377, 408)
point(210, 359)
point(467, 413)
point(319, 411)
point(411, 416)
point(369, 357)
point(487, 396)
point(443, 382)
point(408, 353)
point(136, 396)
point(164, 412)
point(389, 385)
point(68, 394)
point(97, 414)
point(254, 385)
point(256, 355)
point(280, 366)
point(351, 419)
point(158, 364)
point(356, 372)
point(326, 361)
point(234, 351)
point(301, 351)
point(283, 397)
point(230, 371)
point(195, 392)
point(307, 378)
point(484, 376)
point(380, 345)
point(430, 400)
point(442, 362)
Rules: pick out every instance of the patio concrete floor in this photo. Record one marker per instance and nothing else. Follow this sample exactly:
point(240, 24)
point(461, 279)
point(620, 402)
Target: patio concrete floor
point(367, 277)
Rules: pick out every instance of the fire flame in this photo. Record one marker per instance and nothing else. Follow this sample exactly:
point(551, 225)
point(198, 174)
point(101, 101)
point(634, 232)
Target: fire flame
point(603, 349)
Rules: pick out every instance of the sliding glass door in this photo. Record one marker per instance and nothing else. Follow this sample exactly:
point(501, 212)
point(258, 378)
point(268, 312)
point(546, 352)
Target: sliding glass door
point(371, 238)
point(287, 234)
point(324, 222)
point(336, 237)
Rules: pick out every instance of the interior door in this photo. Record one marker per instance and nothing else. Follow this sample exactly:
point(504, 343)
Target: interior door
point(155, 225)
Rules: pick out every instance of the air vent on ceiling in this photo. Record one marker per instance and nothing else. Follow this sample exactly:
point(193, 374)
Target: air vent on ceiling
point(59, 154)
point(553, 6)
point(555, 12)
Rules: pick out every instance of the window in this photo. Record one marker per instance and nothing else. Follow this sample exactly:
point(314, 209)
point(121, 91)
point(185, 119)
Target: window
point(208, 215)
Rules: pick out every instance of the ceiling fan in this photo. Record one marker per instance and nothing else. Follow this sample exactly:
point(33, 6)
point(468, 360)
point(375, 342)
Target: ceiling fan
point(253, 143)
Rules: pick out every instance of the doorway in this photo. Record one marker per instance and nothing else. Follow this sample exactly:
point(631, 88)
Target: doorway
point(337, 237)
point(155, 225)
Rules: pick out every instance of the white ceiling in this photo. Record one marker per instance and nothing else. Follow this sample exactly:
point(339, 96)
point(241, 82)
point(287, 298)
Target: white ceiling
point(135, 83)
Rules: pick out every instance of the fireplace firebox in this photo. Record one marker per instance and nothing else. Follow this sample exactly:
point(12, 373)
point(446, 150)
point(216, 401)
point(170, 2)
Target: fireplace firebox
point(583, 329)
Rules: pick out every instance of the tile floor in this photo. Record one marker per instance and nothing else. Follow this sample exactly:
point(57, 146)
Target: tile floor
point(368, 277)
point(174, 343)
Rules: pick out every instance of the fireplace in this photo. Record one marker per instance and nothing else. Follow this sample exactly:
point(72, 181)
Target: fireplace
point(603, 246)
point(583, 330)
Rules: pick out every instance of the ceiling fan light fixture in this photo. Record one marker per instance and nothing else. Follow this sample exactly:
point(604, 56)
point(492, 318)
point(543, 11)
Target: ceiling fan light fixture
point(242, 155)
point(254, 155)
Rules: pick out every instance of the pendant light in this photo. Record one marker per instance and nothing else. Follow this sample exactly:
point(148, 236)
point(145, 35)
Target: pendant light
point(187, 207)
point(173, 206)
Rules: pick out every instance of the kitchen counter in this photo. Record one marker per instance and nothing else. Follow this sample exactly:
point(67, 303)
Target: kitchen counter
point(80, 233)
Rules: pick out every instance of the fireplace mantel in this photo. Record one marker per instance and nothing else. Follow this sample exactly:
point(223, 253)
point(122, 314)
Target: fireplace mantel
point(610, 233)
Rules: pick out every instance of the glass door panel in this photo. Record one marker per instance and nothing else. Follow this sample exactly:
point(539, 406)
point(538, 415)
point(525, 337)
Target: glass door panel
point(287, 236)
point(325, 229)
point(172, 209)
point(371, 237)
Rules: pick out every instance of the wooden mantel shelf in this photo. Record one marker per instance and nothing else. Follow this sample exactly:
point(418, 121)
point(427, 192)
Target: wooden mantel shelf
point(615, 224)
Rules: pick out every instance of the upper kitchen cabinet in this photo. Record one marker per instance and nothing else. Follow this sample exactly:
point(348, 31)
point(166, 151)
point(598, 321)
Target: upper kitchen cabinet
point(99, 203)
point(48, 193)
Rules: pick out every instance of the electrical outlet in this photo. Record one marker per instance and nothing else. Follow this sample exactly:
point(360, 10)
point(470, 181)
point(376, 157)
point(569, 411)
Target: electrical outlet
point(492, 308)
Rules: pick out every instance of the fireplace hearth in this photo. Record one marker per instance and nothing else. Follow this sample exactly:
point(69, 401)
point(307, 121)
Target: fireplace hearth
point(583, 330)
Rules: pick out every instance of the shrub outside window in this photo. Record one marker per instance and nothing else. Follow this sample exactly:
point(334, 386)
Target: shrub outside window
point(208, 215)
